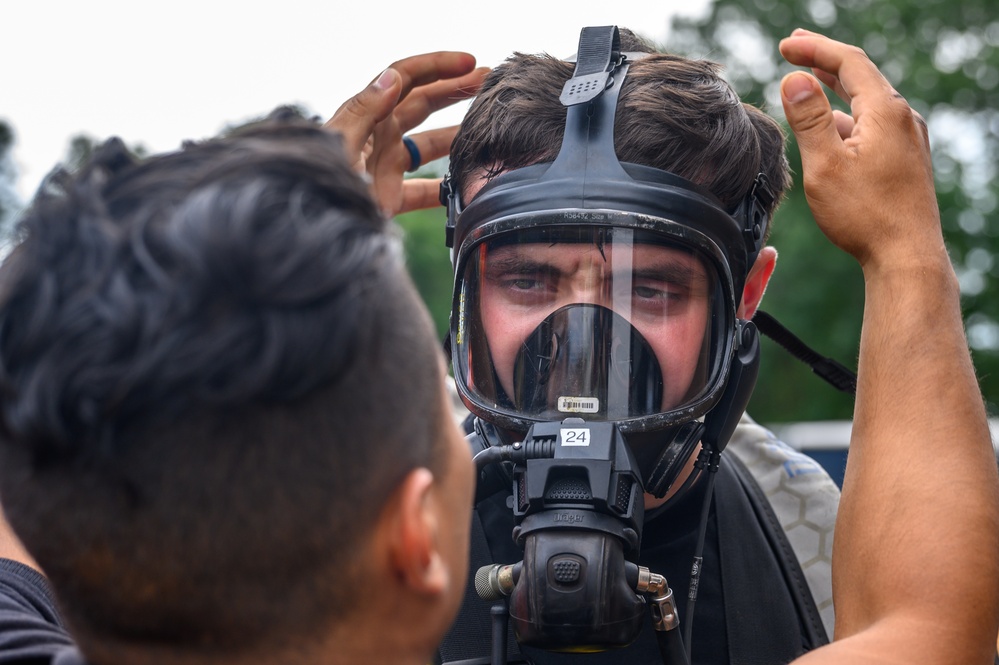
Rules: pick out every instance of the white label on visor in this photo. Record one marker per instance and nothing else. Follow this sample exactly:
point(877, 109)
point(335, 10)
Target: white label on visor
point(578, 404)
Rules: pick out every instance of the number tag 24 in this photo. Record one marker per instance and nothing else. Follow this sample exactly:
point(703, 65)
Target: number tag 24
point(575, 437)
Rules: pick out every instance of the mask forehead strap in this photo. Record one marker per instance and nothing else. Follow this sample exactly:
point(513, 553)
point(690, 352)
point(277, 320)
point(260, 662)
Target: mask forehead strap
point(598, 55)
point(591, 97)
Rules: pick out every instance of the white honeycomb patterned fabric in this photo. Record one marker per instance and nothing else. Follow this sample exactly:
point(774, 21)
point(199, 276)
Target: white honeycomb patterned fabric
point(804, 498)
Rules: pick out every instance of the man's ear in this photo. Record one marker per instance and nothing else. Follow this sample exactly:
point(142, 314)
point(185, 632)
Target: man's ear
point(412, 523)
point(756, 282)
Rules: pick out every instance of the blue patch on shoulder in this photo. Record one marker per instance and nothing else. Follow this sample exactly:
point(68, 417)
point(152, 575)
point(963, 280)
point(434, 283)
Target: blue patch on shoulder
point(801, 465)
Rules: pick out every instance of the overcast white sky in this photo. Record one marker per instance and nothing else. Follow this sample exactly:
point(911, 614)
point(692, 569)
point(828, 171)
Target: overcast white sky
point(159, 73)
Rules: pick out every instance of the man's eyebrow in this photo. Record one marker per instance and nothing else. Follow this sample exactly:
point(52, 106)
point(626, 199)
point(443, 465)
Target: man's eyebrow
point(674, 272)
point(516, 263)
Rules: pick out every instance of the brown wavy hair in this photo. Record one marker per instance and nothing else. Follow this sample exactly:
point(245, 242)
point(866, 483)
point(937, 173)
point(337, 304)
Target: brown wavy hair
point(674, 113)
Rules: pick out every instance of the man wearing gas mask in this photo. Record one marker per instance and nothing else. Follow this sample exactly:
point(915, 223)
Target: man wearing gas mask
point(608, 276)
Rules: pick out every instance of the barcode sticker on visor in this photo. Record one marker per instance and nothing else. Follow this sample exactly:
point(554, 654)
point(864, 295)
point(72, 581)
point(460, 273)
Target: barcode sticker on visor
point(578, 404)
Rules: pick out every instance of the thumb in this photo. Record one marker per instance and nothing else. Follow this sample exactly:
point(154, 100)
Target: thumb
point(356, 118)
point(809, 114)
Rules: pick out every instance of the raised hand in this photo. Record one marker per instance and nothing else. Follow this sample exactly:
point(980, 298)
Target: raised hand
point(374, 121)
point(868, 176)
point(921, 483)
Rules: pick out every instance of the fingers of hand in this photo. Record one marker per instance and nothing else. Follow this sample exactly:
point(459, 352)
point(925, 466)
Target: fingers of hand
point(431, 144)
point(426, 99)
point(416, 107)
point(856, 79)
point(423, 69)
point(373, 121)
point(844, 124)
point(357, 117)
point(832, 83)
point(868, 175)
point(419, 194)
point(846, 68)
point(809, 115)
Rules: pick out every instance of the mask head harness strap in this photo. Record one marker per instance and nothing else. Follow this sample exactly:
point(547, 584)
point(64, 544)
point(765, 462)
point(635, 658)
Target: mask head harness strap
point(588, 141)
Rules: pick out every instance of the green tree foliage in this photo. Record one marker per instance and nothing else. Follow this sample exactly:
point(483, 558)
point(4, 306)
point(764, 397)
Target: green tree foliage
point(944, 58)
point(428, 260)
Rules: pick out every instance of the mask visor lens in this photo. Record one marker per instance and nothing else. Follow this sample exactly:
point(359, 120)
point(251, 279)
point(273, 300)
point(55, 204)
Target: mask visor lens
point(604, 323)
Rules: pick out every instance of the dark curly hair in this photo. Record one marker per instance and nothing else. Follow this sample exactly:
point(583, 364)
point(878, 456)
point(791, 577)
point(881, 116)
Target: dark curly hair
point(213, 368)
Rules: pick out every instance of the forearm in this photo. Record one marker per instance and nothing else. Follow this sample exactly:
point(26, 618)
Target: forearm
point(920, 439)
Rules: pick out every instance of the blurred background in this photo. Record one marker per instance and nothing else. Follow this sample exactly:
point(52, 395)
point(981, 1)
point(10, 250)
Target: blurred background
point(76, 73)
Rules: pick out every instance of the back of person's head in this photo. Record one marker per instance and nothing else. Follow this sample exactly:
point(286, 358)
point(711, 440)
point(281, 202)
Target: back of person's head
point(676, 114)
point(214, 369)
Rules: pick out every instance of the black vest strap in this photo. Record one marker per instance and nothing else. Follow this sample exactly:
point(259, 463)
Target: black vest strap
point(754, 552)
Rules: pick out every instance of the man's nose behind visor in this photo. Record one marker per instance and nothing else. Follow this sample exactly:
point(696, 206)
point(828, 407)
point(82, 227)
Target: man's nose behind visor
point(587, 360)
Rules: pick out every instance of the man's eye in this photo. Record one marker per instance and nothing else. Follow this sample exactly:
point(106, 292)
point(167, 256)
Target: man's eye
point(658, 293)
point(524, 284)
point(648, 292)
point(659, 296)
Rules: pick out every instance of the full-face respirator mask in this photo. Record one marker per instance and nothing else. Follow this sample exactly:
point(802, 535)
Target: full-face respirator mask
point(595, 301)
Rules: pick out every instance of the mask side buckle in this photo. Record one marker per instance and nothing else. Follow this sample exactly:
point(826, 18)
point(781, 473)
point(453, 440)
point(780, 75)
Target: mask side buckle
point(451, 201)
point(754, 216)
